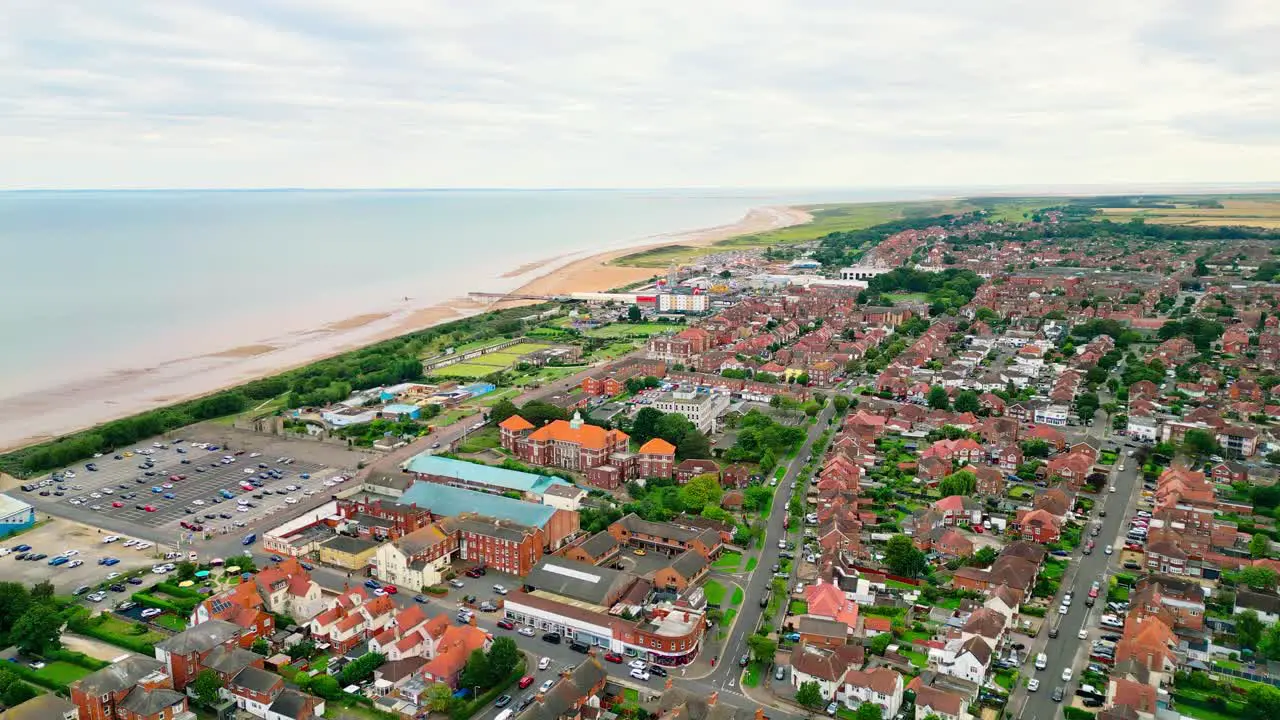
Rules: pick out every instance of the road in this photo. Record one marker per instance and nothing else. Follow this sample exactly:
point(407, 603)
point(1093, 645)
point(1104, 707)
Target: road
point(1068, 650)
point(723, 679)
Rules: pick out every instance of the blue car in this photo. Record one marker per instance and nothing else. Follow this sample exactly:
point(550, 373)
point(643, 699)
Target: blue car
point(305, 476)
point(372, 584)
point(59, 561)
point(157, 489)
point(169, 496)
point(22, 548)
point(110, 561)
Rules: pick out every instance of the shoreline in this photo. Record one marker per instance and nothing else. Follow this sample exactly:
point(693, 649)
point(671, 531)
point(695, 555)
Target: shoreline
point(42, 414)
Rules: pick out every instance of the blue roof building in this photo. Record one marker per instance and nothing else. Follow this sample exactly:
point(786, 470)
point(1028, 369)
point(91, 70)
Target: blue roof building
point(484, 478)
point(451, 501)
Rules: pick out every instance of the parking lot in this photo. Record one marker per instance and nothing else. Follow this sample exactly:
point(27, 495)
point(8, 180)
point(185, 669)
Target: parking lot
point(59, 536)
point(183, 478)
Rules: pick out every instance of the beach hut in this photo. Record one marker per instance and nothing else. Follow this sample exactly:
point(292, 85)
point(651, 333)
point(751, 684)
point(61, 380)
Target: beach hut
point(186, 584)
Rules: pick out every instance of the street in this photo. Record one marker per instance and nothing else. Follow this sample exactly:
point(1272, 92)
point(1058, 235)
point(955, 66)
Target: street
point(1067, 650)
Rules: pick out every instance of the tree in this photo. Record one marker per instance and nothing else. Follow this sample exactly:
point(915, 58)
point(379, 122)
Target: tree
point(502, 410)
point(1200, 443)
point(1035, 448)
point(37, 630)
point(869, 711)
point(14, 601)
point(756, 497)
point(717, 513)
point(186, 570)
point(810, 695)
point(439, 698)
point(762, 648)
point(959, 483)
point(880, 643)
point(1262, 702)
point(841, 403)
point(693, 445)
point(42, 591)
point(260, 646)
point(326, 686)
point(812, 408)
point(1086, 405)
point(1259, 577)
point(672, 427)
point(967, 401)
point(903, 558)
point(1249, 629)
point(701, 490)
point(633, 314)
point(206, 687)
point(938, 399)
point(1269, 645)
point(1259, 545)
point(504, 656)
point(361, 668)
point(476, 673)
point(645, 425)
point(983, 557)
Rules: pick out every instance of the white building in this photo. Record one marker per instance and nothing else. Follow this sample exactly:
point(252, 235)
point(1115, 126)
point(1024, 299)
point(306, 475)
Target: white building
point(880, 686)
point(694, 303)
point(403, 561)
point(1052, 415)
point(1142, 427)
point(702, 408)
point(862, 272)
point(965, 659)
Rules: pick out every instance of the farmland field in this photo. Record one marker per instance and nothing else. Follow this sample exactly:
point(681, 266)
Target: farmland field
point(1257, 211)
point(465, 370)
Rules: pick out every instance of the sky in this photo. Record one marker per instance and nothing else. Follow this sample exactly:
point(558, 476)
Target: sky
point(612, 93)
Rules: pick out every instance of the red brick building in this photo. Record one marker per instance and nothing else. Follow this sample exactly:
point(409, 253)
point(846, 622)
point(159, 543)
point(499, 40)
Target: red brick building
point(572, 445)
point(378, 520)
point(133, 688)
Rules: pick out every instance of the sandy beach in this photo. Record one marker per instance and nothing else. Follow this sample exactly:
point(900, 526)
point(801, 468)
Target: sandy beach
point(48, 412)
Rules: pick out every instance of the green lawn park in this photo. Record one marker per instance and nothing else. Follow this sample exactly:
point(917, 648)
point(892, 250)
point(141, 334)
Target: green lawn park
point(624, 330)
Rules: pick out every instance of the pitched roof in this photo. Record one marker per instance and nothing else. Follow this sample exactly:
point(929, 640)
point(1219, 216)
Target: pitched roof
point(201, 638)
point(259, 681)
point(826, 663)
point(230, 661)
point(40, 707)
point(948, 703)
point(292, 704)
point(446, 500)
point(657, 446)
point(577, 580)
point(144, 702)
point(592, 437)
point(515, 423)
point(559, 701)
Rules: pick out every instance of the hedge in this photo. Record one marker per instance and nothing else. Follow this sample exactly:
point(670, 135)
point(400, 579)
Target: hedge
point(171, 588)
point(1075, 713)
point(180, 606)
point(76, 658)
point(462, 711)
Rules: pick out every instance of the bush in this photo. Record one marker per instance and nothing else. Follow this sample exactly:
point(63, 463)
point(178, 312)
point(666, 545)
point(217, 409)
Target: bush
point(436, 590)
point(169, 588)
point(76, 658)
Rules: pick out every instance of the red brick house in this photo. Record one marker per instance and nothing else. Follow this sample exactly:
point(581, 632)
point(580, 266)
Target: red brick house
point(132, 688)
point(254, 690)
point(688, 469)
point(1038, 526)
point(571, 444)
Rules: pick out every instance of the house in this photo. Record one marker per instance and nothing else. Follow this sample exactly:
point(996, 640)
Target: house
point(598, 549)
point(240, 605)
point(286, 588)
point(452, 652)
point(416, 560)
point(944, 704)
point(685, 570)
point(1038, 525)
point(655, 459)
point(827, 601)
point(879, 686)
point(576, 696)
point(965, 659)
point(42, 707)
point(817, 632)
point(1266, 605)
point(293, 705)
point(254, 690)
point(183, 654)
point(1149, 642)
point(952, 544)
point(633, 531)
point(132, 688)
point(1137, 696)
point(825, 666)
point(569, 444)
point(990, 481)
point(693, 467)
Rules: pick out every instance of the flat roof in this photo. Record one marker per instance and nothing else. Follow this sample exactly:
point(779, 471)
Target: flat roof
point(488, 475)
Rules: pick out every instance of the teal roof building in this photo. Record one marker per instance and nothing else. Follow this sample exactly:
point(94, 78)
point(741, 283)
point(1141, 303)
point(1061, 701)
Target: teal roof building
point(480, 477)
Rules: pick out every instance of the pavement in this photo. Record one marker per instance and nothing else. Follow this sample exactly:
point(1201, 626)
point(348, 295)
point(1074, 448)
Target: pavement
point(1068, 650)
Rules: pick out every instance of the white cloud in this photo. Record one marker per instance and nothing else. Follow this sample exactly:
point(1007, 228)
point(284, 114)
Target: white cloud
point(606, 93)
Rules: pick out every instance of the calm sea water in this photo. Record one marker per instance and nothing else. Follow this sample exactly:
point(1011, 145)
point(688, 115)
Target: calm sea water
point(99, 281)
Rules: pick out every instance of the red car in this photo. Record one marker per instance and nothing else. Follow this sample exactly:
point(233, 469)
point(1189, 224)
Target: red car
point(613, 657)
point(476, 571)
point(506, 625)
point(976, 528)
point(117, 504)
point(150, 508)
point(391, 589)
point(526, 681)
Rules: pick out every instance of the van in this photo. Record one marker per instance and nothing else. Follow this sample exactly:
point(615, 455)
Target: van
point(249, 539)
point(505, 714)
point(579, 646)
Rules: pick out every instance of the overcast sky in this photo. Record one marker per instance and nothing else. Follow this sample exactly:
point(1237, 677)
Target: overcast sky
point(612, 93)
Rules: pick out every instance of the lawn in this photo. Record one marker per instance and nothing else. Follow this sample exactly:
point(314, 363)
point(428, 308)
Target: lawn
point(1005, 679)
point(752, 677)
point(918, 659)
point(62, 672)
point(114, 626)
point(171, 622)
point(738, 594)
point(727, 562)
point(1020, 492)
point(949, 603)
point(905, 297)
point(751, 564)
point(898, 584)
point(714, 592)
point(625, 330)
point(1054, 570)
point(464, 370)
point(481, 440)
point(798, 607)
point(914, 636)
point(726, 622)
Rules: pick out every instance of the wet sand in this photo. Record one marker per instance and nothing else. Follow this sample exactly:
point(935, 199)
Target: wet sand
point(44, 413)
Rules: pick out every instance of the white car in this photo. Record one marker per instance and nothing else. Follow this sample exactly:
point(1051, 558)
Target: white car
point(242, 508)
point(291, 488)
point(110, 539)
point(638, 664)
point(1107, 550)
point(457, 583)
point(129, 543)
point(239, 523)
point(109, 491)
point(501, 590)
point(150, 612)
point(1042, 661)
point(75, 563)
point(1062, 609)
point(309, 492)
point(95, 496)
point(70, 553)
point(254, 455)
point(5, 551)
point(248, 471)
point(197, 502)
point(640, 674)
point(543, 664)
point(291, 500)
point(1082, 634)
point(526, 631)
point(1113, 488)
point(159, 570)
point(1033, 685)
point(113, 575)
point(546, 684)
point(142, 545)
point(1066, 675)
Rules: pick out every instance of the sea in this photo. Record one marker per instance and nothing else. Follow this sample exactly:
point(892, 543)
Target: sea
point(117, 281)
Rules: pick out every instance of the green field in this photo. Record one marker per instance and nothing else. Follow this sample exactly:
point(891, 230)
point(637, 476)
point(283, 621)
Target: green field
point(622, 330)
point(727, 562)
point(465, 370)
point(714, 592)
point(905, 297)
point(62, 672)
point(479, 367)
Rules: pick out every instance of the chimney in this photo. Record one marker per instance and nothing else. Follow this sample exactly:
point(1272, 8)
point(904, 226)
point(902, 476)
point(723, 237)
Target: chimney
point(711, 701)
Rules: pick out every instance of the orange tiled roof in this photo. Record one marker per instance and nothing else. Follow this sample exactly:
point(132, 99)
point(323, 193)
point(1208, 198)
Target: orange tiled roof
point(515, 423)
point(592, 437)
point(657, 446)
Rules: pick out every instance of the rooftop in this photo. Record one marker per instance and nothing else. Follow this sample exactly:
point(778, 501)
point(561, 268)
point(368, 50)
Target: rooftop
point(576, 580)
point(428, 464)
point(447, 500)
